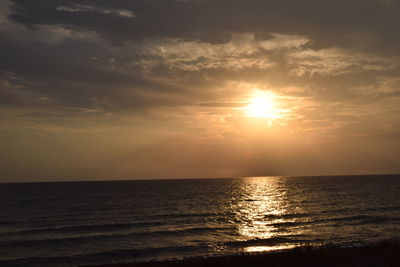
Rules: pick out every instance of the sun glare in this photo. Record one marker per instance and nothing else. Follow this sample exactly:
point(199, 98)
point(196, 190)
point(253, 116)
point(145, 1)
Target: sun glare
point(262, 105)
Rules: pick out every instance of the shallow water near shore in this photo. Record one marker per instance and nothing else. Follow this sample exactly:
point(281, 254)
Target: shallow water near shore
point(76, 223)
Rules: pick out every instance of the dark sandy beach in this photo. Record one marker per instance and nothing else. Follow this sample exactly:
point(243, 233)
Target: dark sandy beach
point(385, 254)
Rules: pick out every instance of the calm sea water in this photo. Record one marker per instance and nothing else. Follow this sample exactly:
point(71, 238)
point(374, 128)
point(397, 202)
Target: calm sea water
point(68, 224)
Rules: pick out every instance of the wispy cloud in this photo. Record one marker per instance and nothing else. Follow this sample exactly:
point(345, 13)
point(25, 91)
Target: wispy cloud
point(87, 8)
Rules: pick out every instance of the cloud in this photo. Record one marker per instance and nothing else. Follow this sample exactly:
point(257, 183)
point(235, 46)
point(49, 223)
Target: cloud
point(242, 51)
point(87, 8)
point(336, 61)
point(213, 21)
point(180, 72)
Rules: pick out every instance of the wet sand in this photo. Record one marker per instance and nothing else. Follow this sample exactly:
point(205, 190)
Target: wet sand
point(385, 254)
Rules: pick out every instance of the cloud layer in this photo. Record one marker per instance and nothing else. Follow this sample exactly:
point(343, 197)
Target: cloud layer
point(162, 83)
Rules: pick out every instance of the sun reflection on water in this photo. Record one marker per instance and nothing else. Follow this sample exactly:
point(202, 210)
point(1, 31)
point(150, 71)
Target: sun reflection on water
point(268, 248)
point(261, 198)
point(261, 206)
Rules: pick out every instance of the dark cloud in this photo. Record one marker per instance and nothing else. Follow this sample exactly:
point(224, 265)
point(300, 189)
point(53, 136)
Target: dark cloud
point(66, 74)
point(371, 25)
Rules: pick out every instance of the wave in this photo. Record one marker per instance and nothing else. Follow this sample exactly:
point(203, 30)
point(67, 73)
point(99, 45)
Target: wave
point(287, 216)
point(312, 243)
point(85, 228)
point(96, 237)
point(185, 215)
point(393, 208)
point(357, 209)
point(109, 256)
point(362, 219)
point(7, 223)
point(347, 220)
point(289, 224)
point(263, 241)
point(177, 252)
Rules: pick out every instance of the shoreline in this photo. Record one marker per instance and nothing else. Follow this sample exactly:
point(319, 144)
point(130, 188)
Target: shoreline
point(383, 254)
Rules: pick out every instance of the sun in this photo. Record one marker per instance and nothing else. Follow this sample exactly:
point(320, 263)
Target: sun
point(262, 105)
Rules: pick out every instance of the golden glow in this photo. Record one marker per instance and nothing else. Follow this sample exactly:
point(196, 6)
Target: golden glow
point(263, 105)
point(261, 207)
point(268, 248)
point(261, 199)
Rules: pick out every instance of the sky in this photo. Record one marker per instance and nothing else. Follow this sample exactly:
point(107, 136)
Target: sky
point(153, 89)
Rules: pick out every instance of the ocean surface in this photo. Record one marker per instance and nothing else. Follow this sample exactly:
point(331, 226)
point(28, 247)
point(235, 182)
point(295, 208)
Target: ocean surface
point(75, 223)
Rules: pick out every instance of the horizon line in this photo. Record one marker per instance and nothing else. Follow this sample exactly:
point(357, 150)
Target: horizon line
point(193, 178)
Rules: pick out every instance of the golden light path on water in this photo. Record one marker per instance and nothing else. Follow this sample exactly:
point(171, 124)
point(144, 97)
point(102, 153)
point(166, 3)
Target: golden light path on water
point(268, 248)
point(262, 204)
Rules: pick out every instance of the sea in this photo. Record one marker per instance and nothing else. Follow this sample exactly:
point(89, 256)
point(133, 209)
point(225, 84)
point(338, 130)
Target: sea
point(85, 223)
